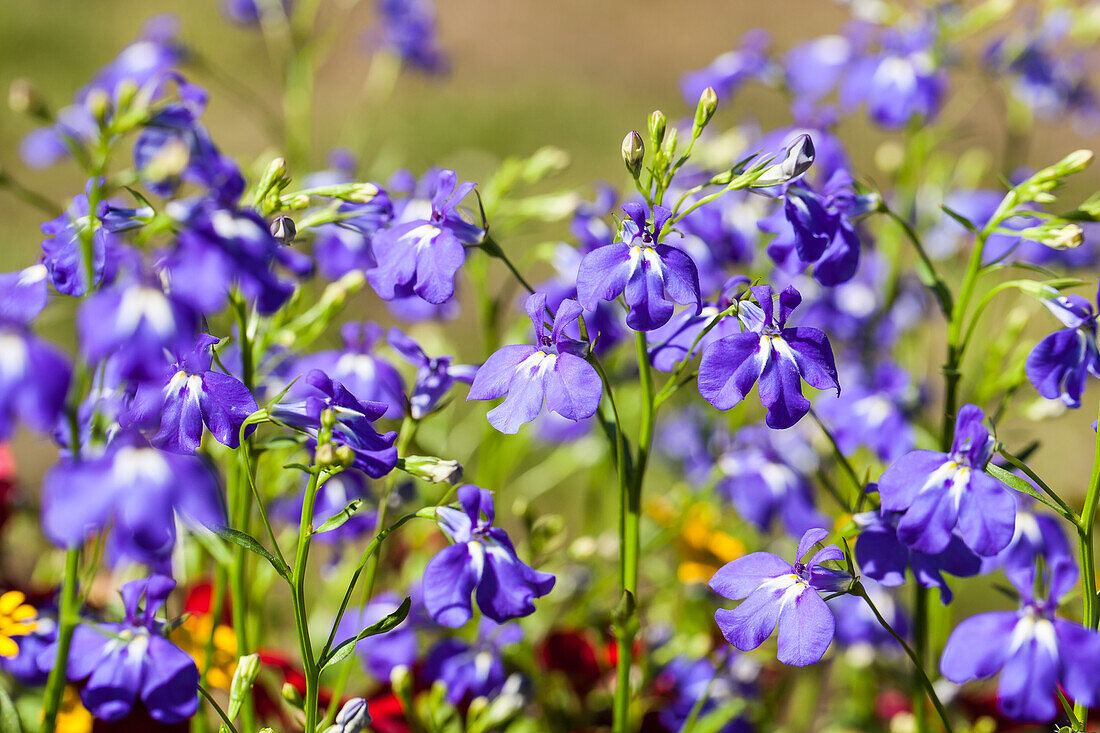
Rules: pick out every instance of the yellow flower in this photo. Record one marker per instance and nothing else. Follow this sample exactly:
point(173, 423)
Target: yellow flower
point(192, 635)
point(16, 619)
point(73, 717)
point(708, 548)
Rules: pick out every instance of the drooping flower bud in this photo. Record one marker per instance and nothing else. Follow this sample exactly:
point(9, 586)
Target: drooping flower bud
point(633, 150)
point(708, 102)
point(797, 159)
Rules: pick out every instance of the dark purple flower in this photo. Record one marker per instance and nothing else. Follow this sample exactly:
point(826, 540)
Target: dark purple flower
point(34, 375)
point(472, 670)
point(764, 475)
point(63, 247)
point(374, 452)
point(640, 269)
point(423, 249)
point(938, 491)
point(367, 375)
point(883, 557)
point(136, 489)
point(134, 322)
point(189, 395)
point(606, 324)
point(778, 356)
point(481, 561)
point(730, 71)
point(778, 593)
point(1059, 364)
point(434, 375)
point(550, 372)
point(382, 652)
point(1035, 652)
point(589, 224)
point(132, 660)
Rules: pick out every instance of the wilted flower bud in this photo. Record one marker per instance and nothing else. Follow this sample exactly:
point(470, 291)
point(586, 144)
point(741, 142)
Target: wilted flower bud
point(633, 152)
point(657, 123)
point(248, 668)
point(434, 470)
point(25, 99)
point(283, 229)
point(797, 159)
point(708, 102)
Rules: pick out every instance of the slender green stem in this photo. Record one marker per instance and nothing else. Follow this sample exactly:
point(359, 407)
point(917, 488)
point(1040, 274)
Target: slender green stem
point(841, 458)
point(67, 620)
point(493, 249)
point(301, 624)
point(913, 656)
point(934, 282)
point(218, 708)
point(1067, 513)
point(1085, 533)
point(29, 196)
point(217, 605)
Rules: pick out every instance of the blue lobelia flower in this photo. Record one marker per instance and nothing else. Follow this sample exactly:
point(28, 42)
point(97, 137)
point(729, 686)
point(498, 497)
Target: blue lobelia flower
point(817, 228)
point(872, 413)
point(698, 682)
point(884, 557)
point(472, 670)
point(730, 71)
point(551, 371)
point(1059, 364)
point(481, 561)
point(380, 653)
point(424, 247)
point(775, 592)
point(900, 83)
point(1037, 535)
point(136, 489)
point(34, 375)
point(938, 491)
point(672, 342)
point(764, 475)
point(640, 269)
point(408, 30)
point(375, 454)
point(434, 375)
point(134, 322)
point(778, 356)
point(1035, 652)
point(132, 660)
point(189, 395)
point(367, 375)
point(63, 250)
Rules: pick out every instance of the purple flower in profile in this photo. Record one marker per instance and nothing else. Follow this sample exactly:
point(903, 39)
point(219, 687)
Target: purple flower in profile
point(730, 71)
point(898, 84)
point(1059, 364)
point(640, 269)
point(481, 561)
point(778, 356)
point(938, 491)
point(63, 247)
point(134, 322)
point(817, 228)
point(375, 454)
point(136, 489)
point(1035, 652)
point(189, 395)
point(367, 375)
point(34, 375)
point(552, 371)
point(434, 375)
point(884, 557)
point(472, 670)
point(382, 652)
point(764, 475)
point(425, 246)
point(132, 660)
point(778, 593)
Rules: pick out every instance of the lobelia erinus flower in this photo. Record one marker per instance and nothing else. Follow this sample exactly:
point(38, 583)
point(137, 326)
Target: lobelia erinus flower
point(641, 269)
point(938, 491)
point(780, 358)
point(779, 593)
point(1059, 364)
point(481, 561)
point(553, 371)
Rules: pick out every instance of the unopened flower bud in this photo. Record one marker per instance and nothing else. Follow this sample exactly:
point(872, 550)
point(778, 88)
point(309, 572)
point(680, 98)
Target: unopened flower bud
point(362, 193)
point(708, 102)
point(25, 99)
point(434, 470)
point(353, 717)
point(1057, 236)
point(125, 93)
point(291, 695)
point(345, 456)
point(325, 455)
point(478, 706)
point(283, 229)
point(633, 152)
point(797, 159)
point(248, 668)
point(657, 123)
point(1075, 162)
point(98, 103)
point(328, 418)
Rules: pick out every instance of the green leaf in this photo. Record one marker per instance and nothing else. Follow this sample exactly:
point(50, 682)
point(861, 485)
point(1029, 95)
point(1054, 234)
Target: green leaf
point(338, 519)
point(214, 546)
point(1019, 484)
point(718, 718)
point(341, 651)
point(966, 223)
point(9, 717)
point(251, 544)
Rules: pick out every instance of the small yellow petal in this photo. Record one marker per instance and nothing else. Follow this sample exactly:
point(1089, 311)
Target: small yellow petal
point(10, 601)
point(20, 629)
point(8, 648)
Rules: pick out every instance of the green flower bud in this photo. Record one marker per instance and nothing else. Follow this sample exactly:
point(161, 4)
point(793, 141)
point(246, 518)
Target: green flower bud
point(657, 124)
point(291, 695)
point(328, 418)
point(434, 470)
point(98, 103)
point(633, 150)
point(345, 456)
point(248, 668)
point(126, 93)
point(325, 455)
point(708, 102)
point(1056, 236)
